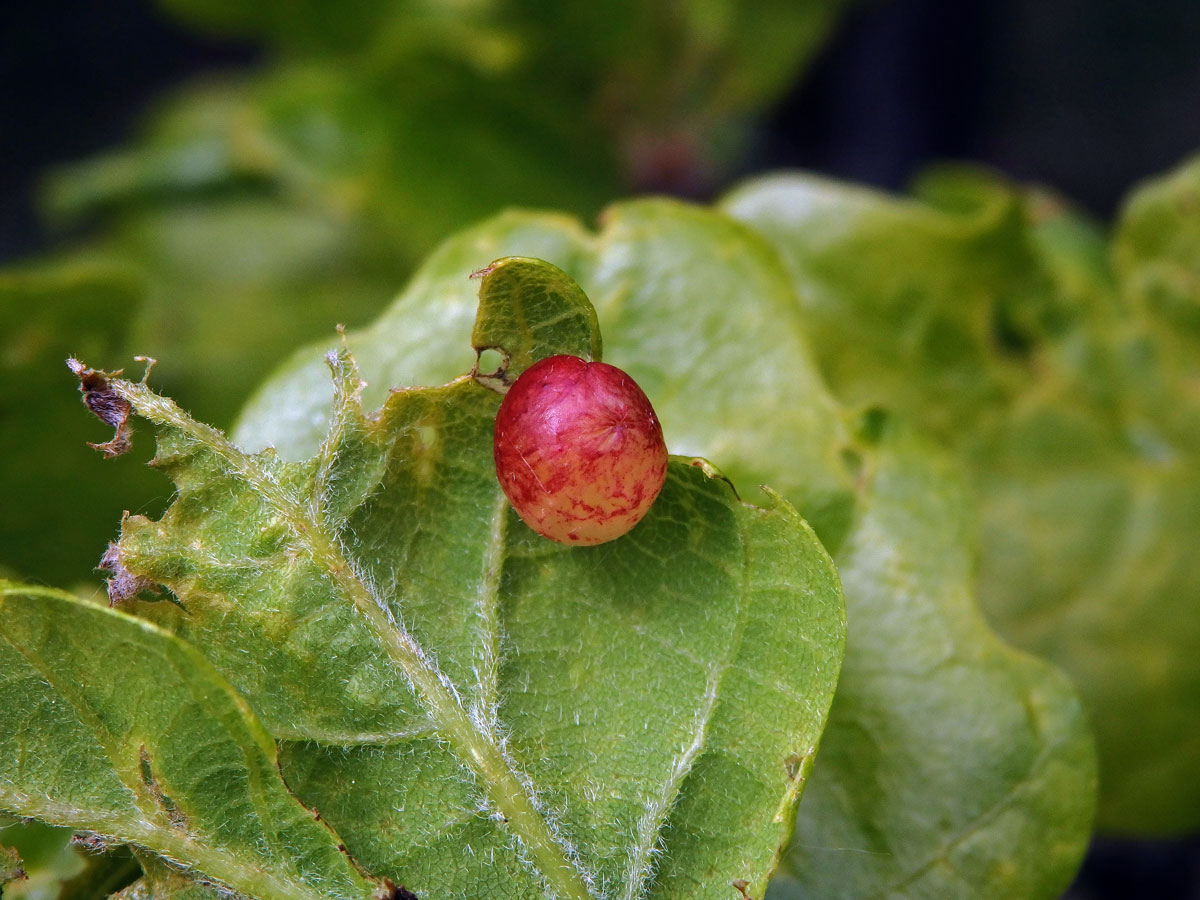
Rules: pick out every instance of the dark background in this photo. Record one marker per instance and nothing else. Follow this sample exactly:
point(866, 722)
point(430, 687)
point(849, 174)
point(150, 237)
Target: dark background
point(1087, 97)
point(75, 78)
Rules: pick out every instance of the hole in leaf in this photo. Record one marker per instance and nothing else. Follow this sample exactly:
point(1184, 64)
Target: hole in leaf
point(146, 770)
point(144, 767)
point(490, 361)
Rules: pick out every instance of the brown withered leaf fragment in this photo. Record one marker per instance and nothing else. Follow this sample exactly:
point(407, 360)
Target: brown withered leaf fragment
point(123, 585)
point(108, 406)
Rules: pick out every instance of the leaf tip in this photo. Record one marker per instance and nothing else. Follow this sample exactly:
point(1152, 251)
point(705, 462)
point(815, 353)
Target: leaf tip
point(348, 383)
point(150, 362)
point(711, 471)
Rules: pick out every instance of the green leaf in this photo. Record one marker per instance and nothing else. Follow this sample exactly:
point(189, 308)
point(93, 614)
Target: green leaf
point(1156, 247)
point(703, 315)
point(162, 754)
point(396, 156)
point(626, 720)
point(1090, 498)
point(261, 211)
point(536, 307)
point(676, 85)
point(731, 381)
point(926, 296)
point(953, 764)
point(1090, 530)
point(702, 66)
point(1069, 401)
point(1071, 279)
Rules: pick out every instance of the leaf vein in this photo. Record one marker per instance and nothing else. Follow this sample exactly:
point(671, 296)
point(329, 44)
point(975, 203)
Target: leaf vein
point(508, 790)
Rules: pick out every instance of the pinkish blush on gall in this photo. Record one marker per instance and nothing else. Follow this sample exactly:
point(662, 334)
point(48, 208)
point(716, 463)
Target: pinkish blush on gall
point(579, 451)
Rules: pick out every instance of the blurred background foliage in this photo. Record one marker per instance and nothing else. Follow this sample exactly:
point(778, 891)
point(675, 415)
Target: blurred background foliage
point(324, 149)
point(253, 210)
point(1060, 365)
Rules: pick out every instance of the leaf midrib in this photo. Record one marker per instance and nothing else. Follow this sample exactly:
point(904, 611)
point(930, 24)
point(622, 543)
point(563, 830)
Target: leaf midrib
point(507, 790)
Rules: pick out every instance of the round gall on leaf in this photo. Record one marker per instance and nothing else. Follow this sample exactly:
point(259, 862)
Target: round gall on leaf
point(579, 451)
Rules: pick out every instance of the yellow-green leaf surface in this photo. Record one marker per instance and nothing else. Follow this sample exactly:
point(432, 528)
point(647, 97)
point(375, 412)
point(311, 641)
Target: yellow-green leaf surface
point(1061, 370)
point(479, 711)
point(113, 726)
point(1091, 515)
point(702, 314)
point(920, 293)
point(1155, 252)
point(988, 790)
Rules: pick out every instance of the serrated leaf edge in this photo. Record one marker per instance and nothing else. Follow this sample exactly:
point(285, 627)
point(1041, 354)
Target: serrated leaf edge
point(478, 746)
